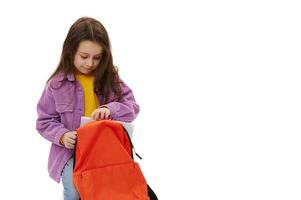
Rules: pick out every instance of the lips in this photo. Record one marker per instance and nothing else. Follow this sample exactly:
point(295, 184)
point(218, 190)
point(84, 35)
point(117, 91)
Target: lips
point(88, 69)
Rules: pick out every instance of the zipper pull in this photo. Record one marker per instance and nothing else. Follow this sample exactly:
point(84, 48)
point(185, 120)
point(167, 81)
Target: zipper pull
point(138, 156)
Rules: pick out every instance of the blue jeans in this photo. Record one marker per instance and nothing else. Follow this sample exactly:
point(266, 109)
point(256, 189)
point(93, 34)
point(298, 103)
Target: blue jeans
point(70, 192)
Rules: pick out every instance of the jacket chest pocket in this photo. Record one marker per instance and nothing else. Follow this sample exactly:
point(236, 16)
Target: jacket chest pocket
point(66, 113)
point(63, 107)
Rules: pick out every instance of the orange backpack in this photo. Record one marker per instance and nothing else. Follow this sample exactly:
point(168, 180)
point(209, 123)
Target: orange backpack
point(104, 167)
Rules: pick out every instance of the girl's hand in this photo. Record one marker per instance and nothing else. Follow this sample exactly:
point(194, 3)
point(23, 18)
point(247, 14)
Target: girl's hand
point(69, 139)
point(101, 113)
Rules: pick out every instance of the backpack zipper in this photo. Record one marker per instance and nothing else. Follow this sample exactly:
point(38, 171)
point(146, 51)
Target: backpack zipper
point(132, 146)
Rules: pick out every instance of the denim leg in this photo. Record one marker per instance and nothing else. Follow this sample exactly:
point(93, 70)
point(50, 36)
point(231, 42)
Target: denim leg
point(70, 192)
point(129, 129)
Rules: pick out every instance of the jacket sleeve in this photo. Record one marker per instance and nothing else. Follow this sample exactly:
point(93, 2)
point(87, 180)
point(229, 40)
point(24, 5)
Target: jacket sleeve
point(48, 123)
point(126, 109)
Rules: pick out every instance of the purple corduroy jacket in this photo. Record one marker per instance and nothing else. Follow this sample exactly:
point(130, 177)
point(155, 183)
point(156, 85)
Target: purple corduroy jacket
point(60, 109)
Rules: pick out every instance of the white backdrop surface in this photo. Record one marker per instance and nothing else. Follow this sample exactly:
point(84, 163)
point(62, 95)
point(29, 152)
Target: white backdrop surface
point(218, 83)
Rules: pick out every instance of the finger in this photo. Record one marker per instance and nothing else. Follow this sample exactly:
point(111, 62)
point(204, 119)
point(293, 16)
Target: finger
point(107, 114)
point(73, 136)
point(71, 140)
point(67, 145)
point(70, 146)
point(94, 115)
point(102, 114)
point(97, 114)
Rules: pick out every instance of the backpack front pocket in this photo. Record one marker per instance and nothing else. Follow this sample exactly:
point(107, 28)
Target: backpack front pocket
point(114, 182)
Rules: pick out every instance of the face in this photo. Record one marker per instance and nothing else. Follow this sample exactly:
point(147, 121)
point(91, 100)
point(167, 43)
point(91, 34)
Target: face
point(87, 56)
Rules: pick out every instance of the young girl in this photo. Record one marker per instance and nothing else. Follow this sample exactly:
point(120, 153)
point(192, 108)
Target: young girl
point(85, 83)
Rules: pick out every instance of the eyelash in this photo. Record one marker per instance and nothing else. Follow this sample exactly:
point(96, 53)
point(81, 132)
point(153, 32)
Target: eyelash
point(83, 57)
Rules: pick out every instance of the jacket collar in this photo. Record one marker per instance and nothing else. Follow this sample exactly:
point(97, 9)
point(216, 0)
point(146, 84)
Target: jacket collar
point(70, 77)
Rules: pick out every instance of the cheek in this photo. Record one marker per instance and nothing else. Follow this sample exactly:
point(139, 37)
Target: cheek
point(96, 63)
point(77, 62)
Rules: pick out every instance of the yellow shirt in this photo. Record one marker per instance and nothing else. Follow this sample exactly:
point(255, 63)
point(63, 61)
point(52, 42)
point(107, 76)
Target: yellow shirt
point(90, 98)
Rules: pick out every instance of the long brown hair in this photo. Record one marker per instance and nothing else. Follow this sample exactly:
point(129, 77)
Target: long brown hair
point(107, 79)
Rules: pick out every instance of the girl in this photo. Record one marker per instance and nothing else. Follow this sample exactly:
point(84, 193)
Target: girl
point(85, 83)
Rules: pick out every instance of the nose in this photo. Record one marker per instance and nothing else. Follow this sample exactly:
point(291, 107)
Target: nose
point(89, 63)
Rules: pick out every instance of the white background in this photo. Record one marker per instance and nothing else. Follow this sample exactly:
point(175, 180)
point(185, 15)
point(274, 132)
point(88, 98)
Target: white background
point(218, 83)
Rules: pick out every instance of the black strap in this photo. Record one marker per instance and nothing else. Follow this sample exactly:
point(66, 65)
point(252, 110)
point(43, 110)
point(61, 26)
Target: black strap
point(151, 193)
